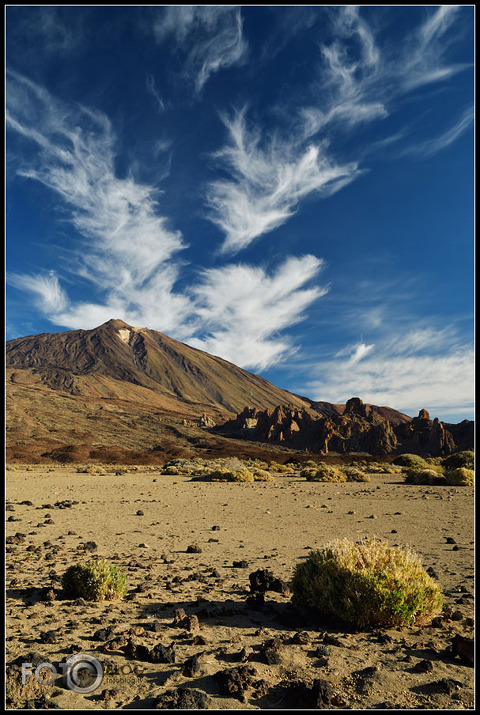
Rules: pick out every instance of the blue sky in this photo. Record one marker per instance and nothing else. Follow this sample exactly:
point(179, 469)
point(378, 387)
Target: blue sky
point(290, 188)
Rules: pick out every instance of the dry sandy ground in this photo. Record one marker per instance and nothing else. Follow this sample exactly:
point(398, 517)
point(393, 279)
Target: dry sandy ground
point(268, 526)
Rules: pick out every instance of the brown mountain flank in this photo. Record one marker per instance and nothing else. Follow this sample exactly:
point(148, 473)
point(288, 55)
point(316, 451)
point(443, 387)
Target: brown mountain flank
point(125, 393)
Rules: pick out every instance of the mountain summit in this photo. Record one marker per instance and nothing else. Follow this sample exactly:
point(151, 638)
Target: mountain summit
point(115, 356)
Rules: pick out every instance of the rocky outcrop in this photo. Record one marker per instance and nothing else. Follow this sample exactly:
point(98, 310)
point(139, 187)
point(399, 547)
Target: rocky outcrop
point(361, 428)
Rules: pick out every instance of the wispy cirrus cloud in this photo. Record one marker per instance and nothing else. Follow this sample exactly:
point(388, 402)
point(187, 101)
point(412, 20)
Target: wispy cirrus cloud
point(127, 248)
point(152, 89)
point(425, 368)
point(268, 179)
point(423, 58)
point(430, 147)
point(210, 36)
point(243, 309)
point(360, 82)
point(130, 255)
point(49, 296)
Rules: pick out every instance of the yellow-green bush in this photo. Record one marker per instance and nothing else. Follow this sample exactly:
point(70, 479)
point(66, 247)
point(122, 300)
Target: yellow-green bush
point(96, 581)
point(91, 469)
point(326, 473)
point(409, 460)
point(354, 474)
point(460, 477)
point(366, 584)
point(464, 459)
point(424, 476)
point(261, 475)
point(280, 468)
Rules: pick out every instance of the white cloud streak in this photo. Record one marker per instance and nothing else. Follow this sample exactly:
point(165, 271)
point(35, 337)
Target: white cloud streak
point(48, 294)
point(267, 182)
point(444, 140)
point(127, 246)
point(131, 256)
point(423, 369)
point(213, 36)
point(242, 308)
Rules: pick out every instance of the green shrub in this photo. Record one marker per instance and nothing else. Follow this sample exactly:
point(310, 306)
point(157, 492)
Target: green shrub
point(367, 584)
point(171, 469)
point(261, 475)
point(96, 581)
point(460, 477)
point(354, 474)
point(460, 459)
point(91, 469)
point(326, 473)
point(280, 468)
point(424, 476)
point(409, 460)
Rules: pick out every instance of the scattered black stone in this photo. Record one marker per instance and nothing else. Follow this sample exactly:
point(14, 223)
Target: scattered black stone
point(18, 538)
point(9, 507)
point(423, 666)
point(32, 657)
point(262, 581)
point(117, 643)
point(457, 615)
point(270, 651)
point(194, 549)
point(27, 502)
point(183, 699)
point(301, 695)
point(300, 638)
point(49, 637)
point(240, 564)
point(328, 639)
point(236, 681)
point(140, 513)
point(104, 634)
point(445, 685)
point(191, 667)
point(156, 627)
point(450, 540)
point(137, 651)
point(163, 654)
point(464, 648)
point(215, 528)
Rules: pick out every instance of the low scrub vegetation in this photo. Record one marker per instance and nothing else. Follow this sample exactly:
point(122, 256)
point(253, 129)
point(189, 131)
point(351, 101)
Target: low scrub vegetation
point(95, 581)
point(330, 473)
point(409, 460)
point(460, 459)
point(424, 476)
point(460, 477)
point(366, 584)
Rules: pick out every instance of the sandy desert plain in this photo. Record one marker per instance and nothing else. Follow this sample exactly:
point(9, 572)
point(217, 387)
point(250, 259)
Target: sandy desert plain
point(191, 545)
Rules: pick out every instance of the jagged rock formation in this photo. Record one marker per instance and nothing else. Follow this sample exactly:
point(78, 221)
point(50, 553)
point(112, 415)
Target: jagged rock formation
point(360, 428)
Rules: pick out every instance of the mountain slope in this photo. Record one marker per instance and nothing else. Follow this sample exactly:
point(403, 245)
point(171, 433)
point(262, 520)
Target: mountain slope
point(192, 380)
point(118, 387)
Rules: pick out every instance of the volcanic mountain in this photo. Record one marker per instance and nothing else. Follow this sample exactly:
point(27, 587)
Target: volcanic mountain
point(121, 387)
